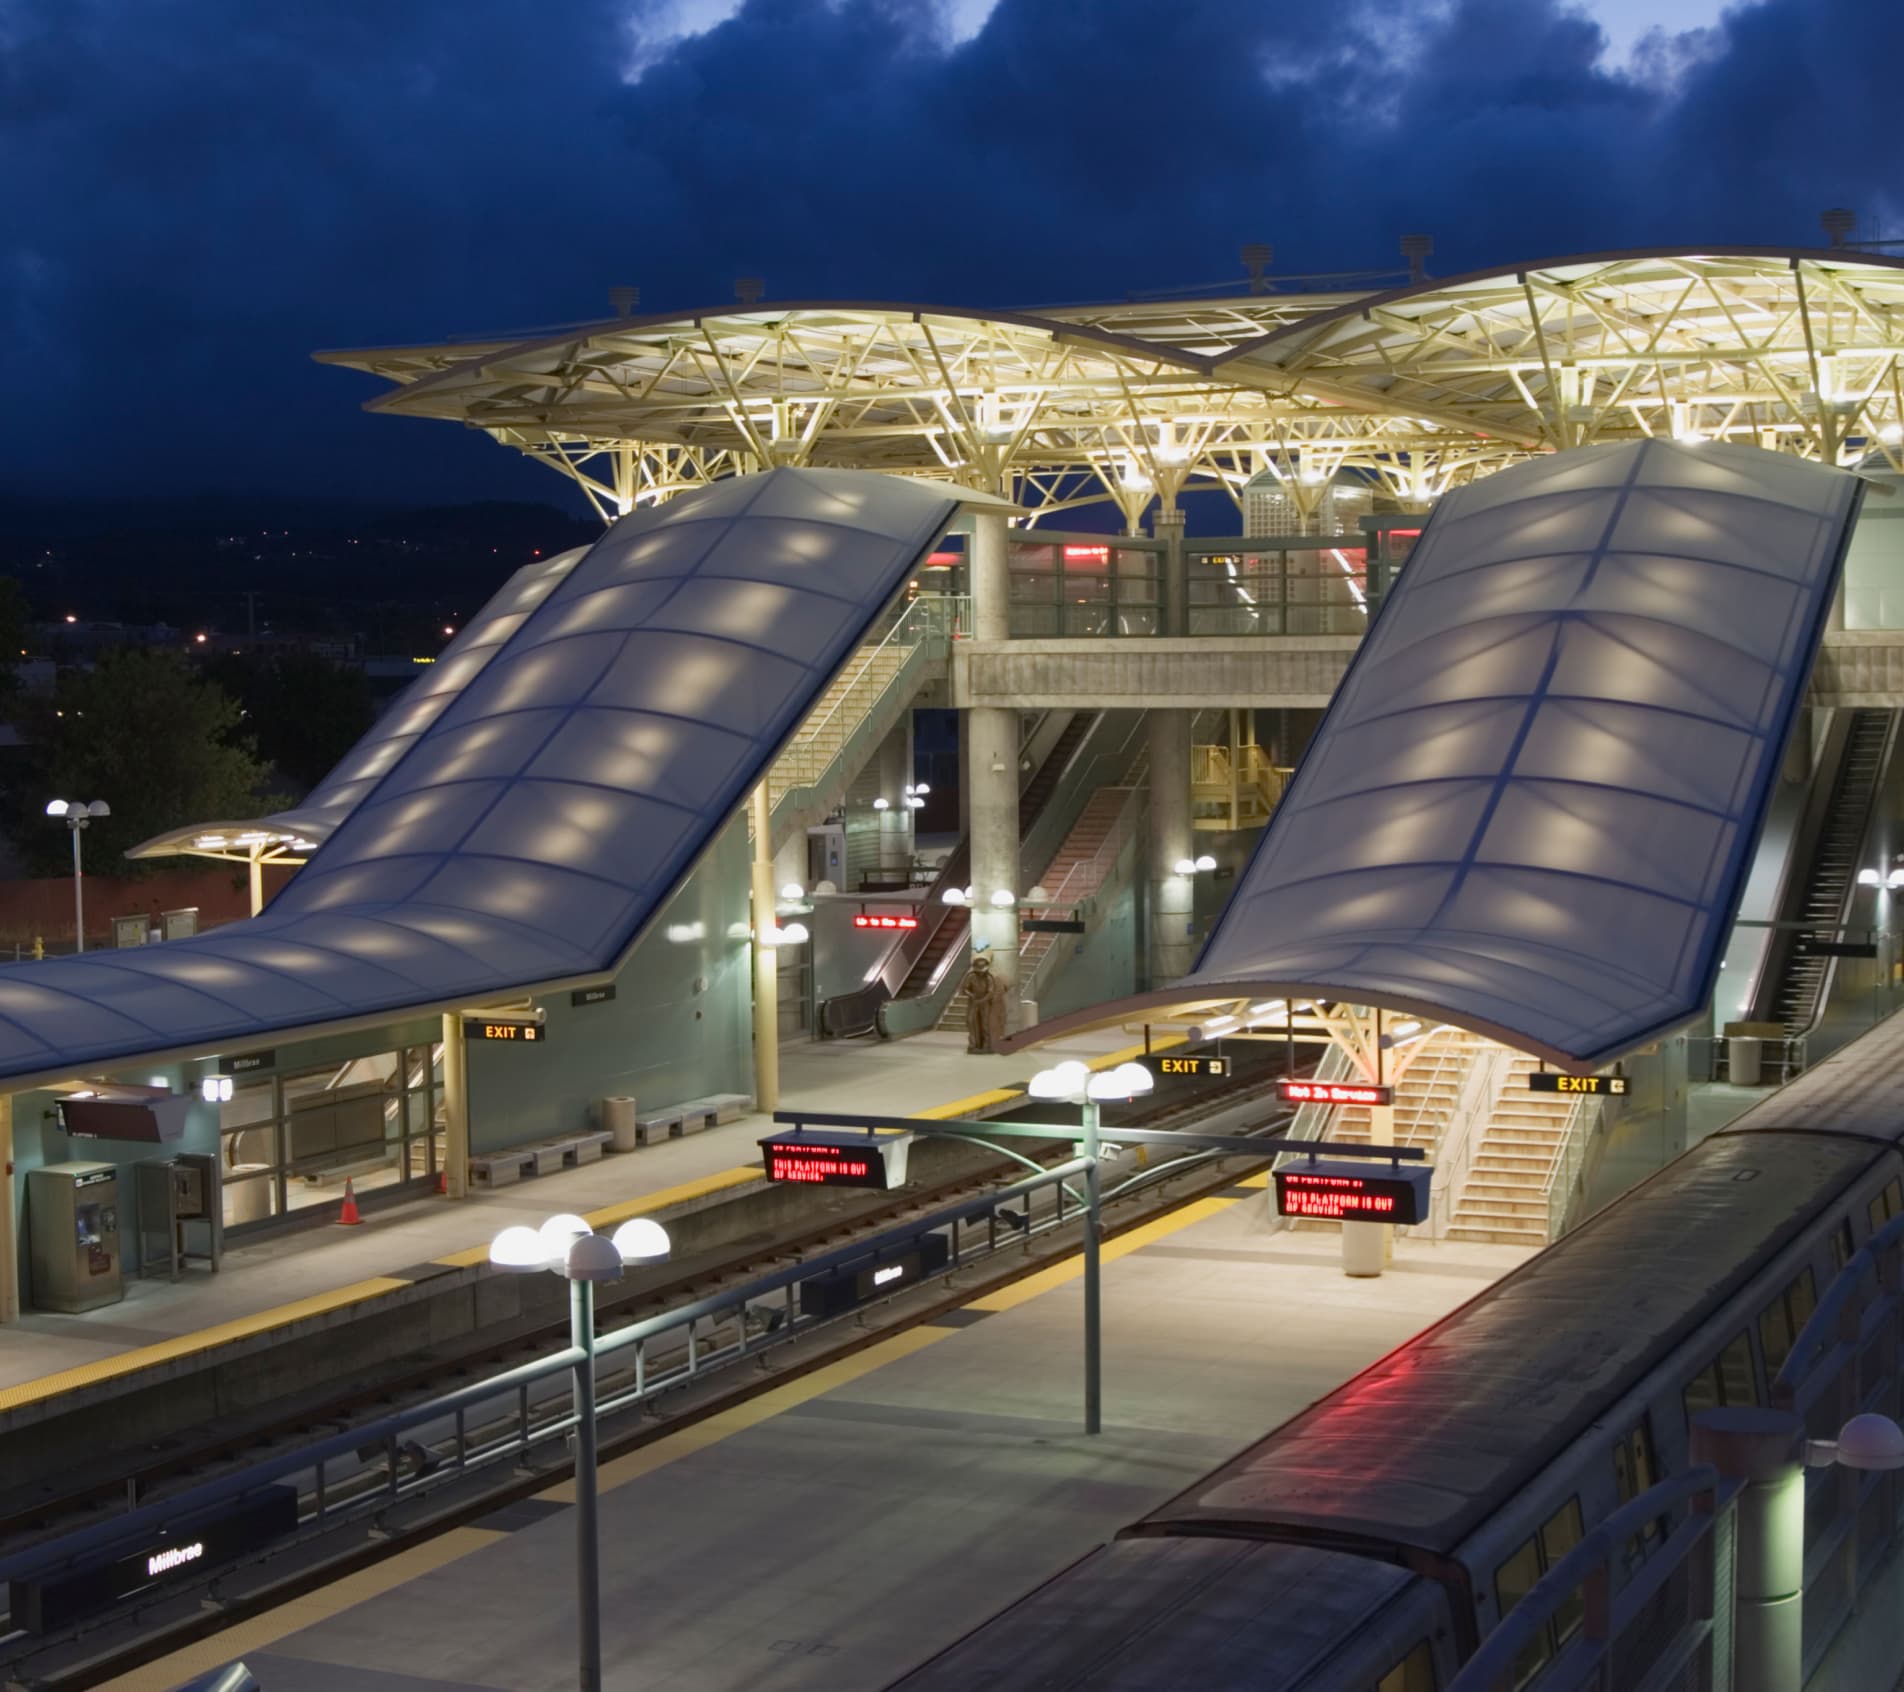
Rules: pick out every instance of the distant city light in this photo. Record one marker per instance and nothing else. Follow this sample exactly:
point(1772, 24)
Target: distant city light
point(446, 629)
point(71, 618)
point(200, 639)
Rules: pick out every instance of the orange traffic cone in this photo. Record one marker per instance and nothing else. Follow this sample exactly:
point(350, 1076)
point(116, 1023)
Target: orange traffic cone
point(348, 1216)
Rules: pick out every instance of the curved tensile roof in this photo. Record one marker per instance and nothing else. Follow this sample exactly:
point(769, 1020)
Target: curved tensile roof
point(1531, 806)
point(523, 831)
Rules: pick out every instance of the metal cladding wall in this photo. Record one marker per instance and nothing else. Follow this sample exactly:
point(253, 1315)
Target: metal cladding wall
point(1532, 805)
point(536, 824)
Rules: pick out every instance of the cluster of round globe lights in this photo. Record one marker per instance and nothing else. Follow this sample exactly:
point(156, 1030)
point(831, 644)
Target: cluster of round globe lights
point(566, 1245)
point(1073, 1082)
point(914, 799)
point(1003, 899)
point(1190, 866)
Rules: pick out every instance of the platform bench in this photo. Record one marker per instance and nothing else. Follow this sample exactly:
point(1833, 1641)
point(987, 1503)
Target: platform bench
point(500, 1169)
point(660, 1126)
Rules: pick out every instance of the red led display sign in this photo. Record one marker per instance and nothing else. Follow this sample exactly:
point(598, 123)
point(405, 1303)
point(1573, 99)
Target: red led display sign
point(1341, 1192)
point(823, 1166)
point(1333, 1093)
point(863, 920)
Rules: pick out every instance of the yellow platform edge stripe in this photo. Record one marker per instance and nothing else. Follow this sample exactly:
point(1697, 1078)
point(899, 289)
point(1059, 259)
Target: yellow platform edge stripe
point(358, 1292)
point(331, 1601)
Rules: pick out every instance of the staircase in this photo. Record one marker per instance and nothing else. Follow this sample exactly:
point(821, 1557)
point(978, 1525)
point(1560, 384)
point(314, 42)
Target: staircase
point(830, 724)
point(1424, 1099)
point(1834, 869)
point(1504, 1200)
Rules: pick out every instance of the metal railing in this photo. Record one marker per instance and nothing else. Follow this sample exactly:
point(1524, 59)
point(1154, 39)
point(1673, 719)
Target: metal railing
point(1583, 1122)
point(824, 748)
point(1109, 866)
point(367, 1468)
point(1668, 1625)
point(1466, 1130)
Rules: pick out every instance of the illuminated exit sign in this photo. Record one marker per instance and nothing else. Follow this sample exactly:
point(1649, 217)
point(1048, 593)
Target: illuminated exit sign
point(1333, 1093)
point(1544, 1081)
point(823, 1157)
point(511, 1033)
point(1200, 1068)
point(1347, 1192)
point(867, 920)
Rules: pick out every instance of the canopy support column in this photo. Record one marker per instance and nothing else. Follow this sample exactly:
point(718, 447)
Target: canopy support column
point(766, 964)
point(455, 1107)
point(1172, 841)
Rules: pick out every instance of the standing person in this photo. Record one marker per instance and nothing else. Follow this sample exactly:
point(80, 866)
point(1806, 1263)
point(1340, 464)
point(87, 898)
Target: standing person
point(980, 1000)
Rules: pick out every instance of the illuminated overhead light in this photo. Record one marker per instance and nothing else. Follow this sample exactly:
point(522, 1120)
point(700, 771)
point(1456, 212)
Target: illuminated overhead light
point(518, 1248)
point(1894, 880)
point(1184, 866)
point(1004, 899)
point(683, 933)
point(641, 1240)
point(1067, 1081)
point(1269, 1007)
point(882, 804)
point(1869, 878)
point(1402, 1030)
point(915, 803)
point(794, 934)
point(1891, 433)
point(1126, 1081)
point(922, 790)
point(952, 896)
point(793, 891)
point(215, 1089)
point(56, 807)
point(1206, 862)
point(558, 1234)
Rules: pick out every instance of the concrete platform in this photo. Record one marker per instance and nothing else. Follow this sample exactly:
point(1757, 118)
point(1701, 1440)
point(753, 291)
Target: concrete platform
point(287, 1279)
point(831, 1534)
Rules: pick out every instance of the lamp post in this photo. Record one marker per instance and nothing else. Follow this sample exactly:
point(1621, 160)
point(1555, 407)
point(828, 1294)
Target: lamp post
point(567, 1246)
point(76, 814)
point(1072, 1082)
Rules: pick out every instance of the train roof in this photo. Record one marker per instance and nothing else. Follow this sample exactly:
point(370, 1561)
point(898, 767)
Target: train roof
point(1420, 1449)
point(1162, 1615)
point(1858, 1090)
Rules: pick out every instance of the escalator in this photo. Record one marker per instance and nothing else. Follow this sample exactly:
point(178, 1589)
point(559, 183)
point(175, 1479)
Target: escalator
point(1794, 985)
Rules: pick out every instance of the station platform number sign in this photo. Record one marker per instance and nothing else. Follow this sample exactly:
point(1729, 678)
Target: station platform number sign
point(1548, 1081)
point(1196, 1068)
point(1342, 1191)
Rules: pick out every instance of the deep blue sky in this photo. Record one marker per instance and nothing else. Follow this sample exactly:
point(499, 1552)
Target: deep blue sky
point(196, 193)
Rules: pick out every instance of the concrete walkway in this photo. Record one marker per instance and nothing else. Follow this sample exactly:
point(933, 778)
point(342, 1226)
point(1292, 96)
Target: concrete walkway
point(831, 1534)
point(292, 1273)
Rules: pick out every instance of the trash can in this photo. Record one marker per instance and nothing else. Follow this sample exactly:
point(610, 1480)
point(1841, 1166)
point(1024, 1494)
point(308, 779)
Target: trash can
point(618, 1117)
point(1745, 1060)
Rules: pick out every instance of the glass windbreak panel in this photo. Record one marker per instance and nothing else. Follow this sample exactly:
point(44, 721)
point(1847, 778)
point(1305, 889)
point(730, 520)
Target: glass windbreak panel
point(1775, 1334)
point(1034, 606)
point(343, 1123)
point(1801, 1301)
point(1874, 571)
point(249, 1198)
point(1841, 1246)
point(1237, 593)
point(253, 1101)
point(1513, 1580)
point(1702, 1393)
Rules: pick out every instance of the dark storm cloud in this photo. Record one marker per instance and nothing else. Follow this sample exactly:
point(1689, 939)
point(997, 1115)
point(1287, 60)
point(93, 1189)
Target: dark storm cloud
point(194, 193)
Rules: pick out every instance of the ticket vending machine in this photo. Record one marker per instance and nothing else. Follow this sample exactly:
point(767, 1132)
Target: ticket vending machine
point(73, 1216)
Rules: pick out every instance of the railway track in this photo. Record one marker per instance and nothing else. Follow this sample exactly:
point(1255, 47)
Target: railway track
point(47, 1662)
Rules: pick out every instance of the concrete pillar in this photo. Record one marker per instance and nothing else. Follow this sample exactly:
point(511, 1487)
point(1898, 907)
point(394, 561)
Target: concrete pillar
point(256, 866)
point(895, 776)
point(455, 1108)
point(1765, 1448)
point(990, 576)
point(766, 967)
point(1172, 839)
point(1367, 1247)
point(1173, 584)
point(992, 743)
point(9, 1244)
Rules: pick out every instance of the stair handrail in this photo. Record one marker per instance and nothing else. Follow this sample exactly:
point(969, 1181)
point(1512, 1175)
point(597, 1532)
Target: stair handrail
point(1106, 860)
point(930, 619)
point(1473, 1110)
point(1583, 1120)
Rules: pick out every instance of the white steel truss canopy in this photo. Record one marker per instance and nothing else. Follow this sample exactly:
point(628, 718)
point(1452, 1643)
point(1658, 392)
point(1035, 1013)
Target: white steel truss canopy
point(1414, 390)
point(522, 822)
point(1530, 808)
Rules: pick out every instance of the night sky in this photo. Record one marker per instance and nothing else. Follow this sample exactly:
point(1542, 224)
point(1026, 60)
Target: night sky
point(196, 193)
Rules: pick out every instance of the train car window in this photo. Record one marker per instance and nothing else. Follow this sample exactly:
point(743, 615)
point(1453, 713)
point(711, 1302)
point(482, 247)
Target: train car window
point(1515, 1578)
point(1784, 1319)
point(1886, 1205)
point(1635, 1472)
point(1730, 1381)
point(1841, 1246)
point(1414, 1673)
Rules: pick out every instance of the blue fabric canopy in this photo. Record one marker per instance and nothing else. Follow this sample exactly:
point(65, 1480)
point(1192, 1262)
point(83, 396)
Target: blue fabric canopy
point(519, 819)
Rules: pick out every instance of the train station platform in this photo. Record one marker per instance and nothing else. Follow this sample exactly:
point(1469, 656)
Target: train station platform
point(831, 1533)
point(288, 1279)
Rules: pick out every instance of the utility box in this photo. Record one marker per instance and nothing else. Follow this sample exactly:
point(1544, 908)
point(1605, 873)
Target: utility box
point(73, 1217)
